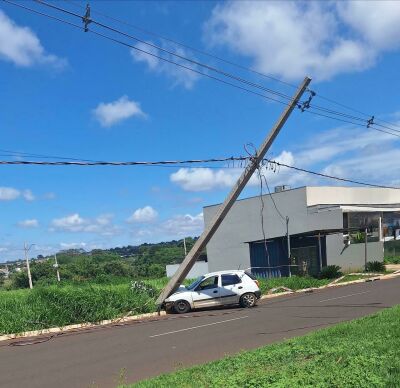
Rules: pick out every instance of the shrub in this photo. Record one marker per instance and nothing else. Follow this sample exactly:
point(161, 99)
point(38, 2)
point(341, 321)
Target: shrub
point(375, 266)
point(392, 260)
point(330, 272)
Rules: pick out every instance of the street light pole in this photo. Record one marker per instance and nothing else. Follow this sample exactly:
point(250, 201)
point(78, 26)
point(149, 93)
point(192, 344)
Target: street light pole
point(26, 250)
point(184, 246)
point(56, 266)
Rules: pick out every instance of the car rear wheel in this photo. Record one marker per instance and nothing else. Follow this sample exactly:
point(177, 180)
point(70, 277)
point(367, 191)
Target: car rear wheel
point(248, 300)
point(181, 306)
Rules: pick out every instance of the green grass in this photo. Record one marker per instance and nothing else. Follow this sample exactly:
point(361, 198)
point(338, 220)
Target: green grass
point(43, 307)
point(360, 353)
point(392, 260)
point(294, 283)
point(69, 303)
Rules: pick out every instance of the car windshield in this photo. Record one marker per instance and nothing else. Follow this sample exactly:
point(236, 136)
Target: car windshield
point(195, 283)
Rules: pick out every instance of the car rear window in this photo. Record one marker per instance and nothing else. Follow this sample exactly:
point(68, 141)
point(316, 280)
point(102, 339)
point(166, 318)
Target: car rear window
point(250, 275)
point(230, 279)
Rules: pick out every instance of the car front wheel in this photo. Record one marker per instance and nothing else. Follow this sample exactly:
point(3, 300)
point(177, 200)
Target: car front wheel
point(248, 300)
point(181, 306)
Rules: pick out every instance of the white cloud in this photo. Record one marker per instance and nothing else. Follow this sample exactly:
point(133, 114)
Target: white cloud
point(32, 223)
point(346, 152)
point(73, 245)
point(71, 223)
point(49, 195)
point(143, 215)
point(108, 114)
point(204, 179)
point(28, 195)
point(9, 193)
point(21, 46)
point(294, 39)
point(179, 75)
point(178, 226)
point(183, 225)
point(101, 225)
point(378, 22)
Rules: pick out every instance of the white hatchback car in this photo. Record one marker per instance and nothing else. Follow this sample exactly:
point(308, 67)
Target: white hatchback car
point(216, 289)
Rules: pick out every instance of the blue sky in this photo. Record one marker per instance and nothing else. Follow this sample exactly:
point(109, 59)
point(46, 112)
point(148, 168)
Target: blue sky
point(72, 94)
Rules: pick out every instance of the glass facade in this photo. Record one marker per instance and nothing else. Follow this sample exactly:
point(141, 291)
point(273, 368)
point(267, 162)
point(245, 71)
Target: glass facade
point(356, 222)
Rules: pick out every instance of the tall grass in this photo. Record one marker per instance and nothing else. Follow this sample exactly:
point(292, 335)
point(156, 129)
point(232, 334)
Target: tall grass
point(69, 303)
point(55, 305)
point(294, 283)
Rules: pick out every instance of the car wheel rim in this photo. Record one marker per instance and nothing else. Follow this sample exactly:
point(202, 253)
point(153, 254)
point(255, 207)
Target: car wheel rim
point(248, 300)
point(181, 306)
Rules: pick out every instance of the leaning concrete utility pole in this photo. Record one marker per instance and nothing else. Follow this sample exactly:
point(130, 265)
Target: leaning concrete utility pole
point(28, 268)
point(203, 240)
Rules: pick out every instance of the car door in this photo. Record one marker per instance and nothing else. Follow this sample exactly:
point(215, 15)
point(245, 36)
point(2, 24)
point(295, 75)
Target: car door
point(231, 288)
point(207, 293)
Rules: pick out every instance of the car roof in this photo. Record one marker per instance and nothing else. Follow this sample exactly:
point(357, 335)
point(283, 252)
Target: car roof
point(234, 271)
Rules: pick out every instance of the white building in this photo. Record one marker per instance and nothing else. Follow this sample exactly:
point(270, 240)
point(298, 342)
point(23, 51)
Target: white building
point(326, 226)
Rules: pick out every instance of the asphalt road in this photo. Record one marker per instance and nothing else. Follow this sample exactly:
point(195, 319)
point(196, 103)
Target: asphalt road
point(96, 358)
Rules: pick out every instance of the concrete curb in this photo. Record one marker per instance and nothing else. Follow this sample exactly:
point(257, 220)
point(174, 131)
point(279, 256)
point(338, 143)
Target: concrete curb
point(333, 284)
point(53, 330)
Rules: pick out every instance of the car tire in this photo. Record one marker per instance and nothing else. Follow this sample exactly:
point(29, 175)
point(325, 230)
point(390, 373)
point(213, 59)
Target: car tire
point(181, 307)
point(248, 299)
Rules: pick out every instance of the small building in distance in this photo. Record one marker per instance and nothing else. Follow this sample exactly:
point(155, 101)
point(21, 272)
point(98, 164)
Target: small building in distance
point(326, 226)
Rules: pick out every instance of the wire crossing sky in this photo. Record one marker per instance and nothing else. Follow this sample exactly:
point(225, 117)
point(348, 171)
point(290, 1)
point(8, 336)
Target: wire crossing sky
point(192, 80)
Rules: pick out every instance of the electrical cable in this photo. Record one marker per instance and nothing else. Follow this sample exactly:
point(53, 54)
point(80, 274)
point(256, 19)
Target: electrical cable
point(350, 122)
point(116, 163)
point(19, 154)
point(146, 52)
point(169, 52)
point(202, 52)
point(197, 63)
point(238, 66)
point(186, 163)
point(332, 176)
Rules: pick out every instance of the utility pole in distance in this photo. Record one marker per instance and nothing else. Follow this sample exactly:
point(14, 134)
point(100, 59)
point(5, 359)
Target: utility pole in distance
point(56, 267)
point(205, 237)
point(26, 250)
point(184, 245)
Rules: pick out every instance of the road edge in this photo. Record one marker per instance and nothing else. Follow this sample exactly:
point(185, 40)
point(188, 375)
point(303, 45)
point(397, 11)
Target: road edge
point(126, 319)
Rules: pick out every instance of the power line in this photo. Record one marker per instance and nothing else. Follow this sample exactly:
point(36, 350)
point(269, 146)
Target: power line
point(116, 163)
point(367, 122)
point(146, 52)
point(184, 45)
point(208, 67)
point(169, 52)
point(361, 183)
point(202, 52)
point(175, 163)
point(23, 154)
point(350, 122)
point(354, 110)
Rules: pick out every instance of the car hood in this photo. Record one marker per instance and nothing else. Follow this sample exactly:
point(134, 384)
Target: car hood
point(179, 293)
